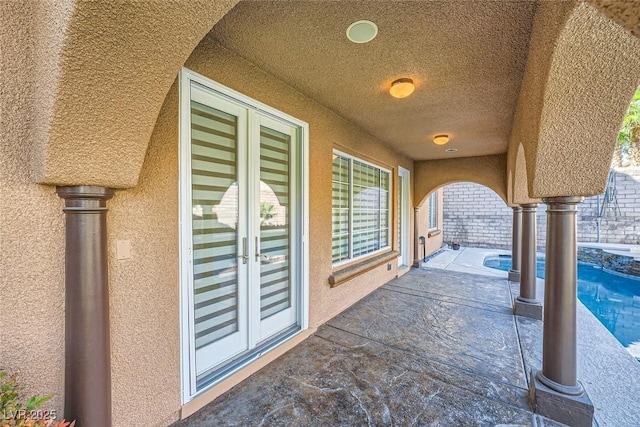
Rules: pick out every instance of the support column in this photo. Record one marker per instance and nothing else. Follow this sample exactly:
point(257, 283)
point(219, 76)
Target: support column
point(516, 244)
point(87, 343)
point(555, 391)
point(526, 303)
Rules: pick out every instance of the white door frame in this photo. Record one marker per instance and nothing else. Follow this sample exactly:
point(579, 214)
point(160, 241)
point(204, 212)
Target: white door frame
point(404, 217)
point(301, 227)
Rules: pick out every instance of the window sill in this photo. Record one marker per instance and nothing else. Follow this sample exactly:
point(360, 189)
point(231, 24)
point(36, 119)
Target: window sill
point(340, 276)
point(433, 233)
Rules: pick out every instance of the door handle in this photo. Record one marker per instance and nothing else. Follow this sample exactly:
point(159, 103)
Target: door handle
point(257, 250)
point(244, 255)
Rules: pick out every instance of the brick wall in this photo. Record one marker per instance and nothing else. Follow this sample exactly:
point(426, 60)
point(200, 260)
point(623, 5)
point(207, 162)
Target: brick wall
point(476, 216)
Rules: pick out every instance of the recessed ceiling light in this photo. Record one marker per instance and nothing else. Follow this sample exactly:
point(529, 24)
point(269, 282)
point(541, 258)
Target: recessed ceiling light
point(402, 88)
point(441, 139)
point(451, 150)
point(362, 31)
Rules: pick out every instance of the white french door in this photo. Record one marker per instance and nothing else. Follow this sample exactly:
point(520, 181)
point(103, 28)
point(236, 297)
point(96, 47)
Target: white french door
point(243, 282)
point(404, 212)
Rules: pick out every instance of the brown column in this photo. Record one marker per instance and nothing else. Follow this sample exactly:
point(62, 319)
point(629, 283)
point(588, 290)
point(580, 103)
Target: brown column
point(556, 392)
point(516, 248)
point(559, 370)
point(87, 343)
point(526, 303)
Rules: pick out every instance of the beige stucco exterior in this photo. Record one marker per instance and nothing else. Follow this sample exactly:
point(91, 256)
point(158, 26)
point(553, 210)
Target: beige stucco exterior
point(489, 171)
point(433, 237)
point(570, 106)
point(144, 290)
point(89, 97)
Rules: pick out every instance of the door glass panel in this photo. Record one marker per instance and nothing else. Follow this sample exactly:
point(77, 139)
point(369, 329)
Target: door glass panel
point(275, 286)
point(400, 218)
point(214, 223)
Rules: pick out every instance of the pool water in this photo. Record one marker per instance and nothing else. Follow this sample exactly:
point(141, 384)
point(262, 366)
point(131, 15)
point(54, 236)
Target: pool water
point(614, 299)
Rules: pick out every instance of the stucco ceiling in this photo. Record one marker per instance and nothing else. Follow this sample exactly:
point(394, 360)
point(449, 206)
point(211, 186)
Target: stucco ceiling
point(466, 58)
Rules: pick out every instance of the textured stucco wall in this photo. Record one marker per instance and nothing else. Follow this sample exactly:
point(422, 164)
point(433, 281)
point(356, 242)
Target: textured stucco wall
point(591, 81)
point(144, 289)
point(117, 60)
point(327, 131)
point(144, 293)
point(31, 218)
point(581, 72)
point(434, 242)
point(547, 24)
point(626, 13)
point(490, 171)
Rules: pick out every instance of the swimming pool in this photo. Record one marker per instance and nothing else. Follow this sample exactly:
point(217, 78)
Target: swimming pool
point(613, 298)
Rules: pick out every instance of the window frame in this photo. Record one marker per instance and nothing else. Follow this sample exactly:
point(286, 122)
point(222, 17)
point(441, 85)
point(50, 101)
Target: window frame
point(431, 210)
point(389, 206)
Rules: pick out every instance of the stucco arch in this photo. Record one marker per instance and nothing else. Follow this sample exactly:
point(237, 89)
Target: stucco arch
point(591, 78)
point(519, 191)
point(489, 171)
point(116, 63)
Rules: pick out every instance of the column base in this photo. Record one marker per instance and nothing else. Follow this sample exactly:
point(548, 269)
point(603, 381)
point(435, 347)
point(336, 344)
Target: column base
point(532, 309)
point(572, 410)
point(417, 263)
point(514, 275)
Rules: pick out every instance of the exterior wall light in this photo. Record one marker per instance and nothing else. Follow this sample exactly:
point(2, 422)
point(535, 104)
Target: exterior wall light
point(402, 88)
point(441, 139)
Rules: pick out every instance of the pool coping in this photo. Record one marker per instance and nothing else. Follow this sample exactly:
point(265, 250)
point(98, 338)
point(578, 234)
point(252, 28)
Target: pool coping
point(608, 372)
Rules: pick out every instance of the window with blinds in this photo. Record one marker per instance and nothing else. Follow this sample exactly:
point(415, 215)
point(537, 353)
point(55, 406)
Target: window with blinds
point(433, 211)
point(360, 208)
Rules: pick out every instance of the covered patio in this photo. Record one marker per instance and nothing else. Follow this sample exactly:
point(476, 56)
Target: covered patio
point(432, 347)
point(125, 124)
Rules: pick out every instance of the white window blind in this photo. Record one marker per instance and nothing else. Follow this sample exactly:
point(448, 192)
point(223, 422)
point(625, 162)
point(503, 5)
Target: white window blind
point(360, 208)
point(275, 289)
point(213, 171)
point(433, 211)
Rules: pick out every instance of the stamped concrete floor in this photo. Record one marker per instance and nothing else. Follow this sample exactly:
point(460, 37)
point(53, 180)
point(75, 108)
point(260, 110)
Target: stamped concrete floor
point(432, 347)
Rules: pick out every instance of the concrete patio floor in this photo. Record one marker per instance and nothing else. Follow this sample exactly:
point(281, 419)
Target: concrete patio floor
point(433, 347)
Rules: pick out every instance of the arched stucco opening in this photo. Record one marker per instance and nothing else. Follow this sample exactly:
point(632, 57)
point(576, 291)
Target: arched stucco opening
point(519, 191)
point(489, 171)
point(574, 95)
point(110, 88)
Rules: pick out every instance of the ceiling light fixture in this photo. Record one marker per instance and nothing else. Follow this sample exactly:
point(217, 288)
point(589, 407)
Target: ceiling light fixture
point(451, 150)
point(441, 139)
point(402, 88)
point(362, 31)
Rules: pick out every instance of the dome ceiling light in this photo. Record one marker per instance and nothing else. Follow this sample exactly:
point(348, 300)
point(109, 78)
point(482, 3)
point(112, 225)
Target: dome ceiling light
point(362, 31)
point(402, 88)
point(441, 139)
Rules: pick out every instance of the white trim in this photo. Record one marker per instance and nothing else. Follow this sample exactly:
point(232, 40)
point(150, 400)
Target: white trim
point(343, 154)
point(435, 196)
point(404, 216)
point(239, 97)
point(299, 223)
point(187, 356)
point(388, 244)
point(303, 175)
